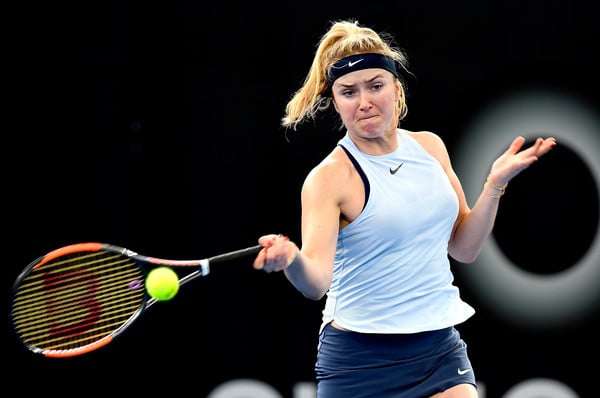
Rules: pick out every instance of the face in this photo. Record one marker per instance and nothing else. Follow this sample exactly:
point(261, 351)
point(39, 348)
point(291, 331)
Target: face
point(366, 101)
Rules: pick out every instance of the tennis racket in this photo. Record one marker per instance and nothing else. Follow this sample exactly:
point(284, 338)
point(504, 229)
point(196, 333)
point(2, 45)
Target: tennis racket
point(78, 298)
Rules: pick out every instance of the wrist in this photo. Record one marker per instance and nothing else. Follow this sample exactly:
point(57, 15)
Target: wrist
point(294, 255)
point(494, 190)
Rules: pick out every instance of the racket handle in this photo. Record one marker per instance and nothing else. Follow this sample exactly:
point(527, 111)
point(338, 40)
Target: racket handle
point(235, 254)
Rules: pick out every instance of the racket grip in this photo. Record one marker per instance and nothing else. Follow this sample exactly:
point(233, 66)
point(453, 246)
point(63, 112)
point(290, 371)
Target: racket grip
point(235, 254)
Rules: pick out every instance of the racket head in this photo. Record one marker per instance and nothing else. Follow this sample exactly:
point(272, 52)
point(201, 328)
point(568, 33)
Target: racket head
point(76, 299)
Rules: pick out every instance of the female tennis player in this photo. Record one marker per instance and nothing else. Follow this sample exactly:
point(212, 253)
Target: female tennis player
point(381, 214)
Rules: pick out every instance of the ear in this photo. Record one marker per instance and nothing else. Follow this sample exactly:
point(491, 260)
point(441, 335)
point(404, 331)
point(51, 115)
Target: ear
point(334, 104)
point(398, 90)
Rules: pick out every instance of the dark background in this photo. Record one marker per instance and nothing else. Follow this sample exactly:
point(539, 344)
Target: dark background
point(156, 127)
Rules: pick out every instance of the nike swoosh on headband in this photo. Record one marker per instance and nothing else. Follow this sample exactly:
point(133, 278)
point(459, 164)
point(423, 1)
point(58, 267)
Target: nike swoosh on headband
point(352, 63)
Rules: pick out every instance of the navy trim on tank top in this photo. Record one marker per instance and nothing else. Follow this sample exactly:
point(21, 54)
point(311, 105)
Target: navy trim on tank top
point(360, 172)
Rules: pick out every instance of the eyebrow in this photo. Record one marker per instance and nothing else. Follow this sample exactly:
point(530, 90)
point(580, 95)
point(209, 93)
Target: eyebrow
point(377, 76)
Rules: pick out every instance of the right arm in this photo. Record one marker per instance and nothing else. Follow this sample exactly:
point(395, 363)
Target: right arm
point(310, 269)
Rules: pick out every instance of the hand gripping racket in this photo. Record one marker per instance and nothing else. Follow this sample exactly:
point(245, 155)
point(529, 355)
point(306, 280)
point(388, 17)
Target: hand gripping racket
point(78, 298)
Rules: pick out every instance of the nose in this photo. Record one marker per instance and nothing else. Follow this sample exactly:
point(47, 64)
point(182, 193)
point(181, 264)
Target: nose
point(365, 101)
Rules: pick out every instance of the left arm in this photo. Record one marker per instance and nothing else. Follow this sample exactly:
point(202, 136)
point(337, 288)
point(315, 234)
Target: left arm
point(474, 225)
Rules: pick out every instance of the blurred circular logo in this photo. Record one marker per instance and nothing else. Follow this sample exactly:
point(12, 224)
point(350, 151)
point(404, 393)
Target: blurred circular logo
point(528, 298)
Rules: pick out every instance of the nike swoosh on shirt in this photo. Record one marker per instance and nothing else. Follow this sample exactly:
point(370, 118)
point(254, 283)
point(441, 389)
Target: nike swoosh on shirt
point(462, 372)
point(393, 171)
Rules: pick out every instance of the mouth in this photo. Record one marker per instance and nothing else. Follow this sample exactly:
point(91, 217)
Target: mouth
point(366, 118)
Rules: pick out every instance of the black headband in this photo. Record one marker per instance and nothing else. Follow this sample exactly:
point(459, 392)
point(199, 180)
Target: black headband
point(356, 62)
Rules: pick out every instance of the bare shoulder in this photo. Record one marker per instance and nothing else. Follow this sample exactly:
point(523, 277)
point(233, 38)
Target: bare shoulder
point(335, 168)
point(426, 137)
point(431, 142)
point(333, 190)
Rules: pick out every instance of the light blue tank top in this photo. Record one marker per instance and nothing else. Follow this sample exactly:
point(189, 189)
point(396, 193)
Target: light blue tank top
point(392, 272)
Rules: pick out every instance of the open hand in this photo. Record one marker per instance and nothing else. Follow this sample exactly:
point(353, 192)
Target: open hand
point(515, 160)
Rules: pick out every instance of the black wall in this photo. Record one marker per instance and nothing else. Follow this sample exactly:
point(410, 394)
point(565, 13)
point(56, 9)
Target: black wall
point(156, 127)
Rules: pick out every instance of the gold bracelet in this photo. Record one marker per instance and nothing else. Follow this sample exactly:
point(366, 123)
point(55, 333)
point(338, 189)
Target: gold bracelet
point(496, 187)
point(495, 196)
point(501, 189)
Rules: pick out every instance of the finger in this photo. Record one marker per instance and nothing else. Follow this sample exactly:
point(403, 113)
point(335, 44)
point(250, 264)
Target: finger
point(535, 150)
point(259, 261)
point(267, 265)
point(267, 240)
point(516, 145)
point(547, 145)
point(539, 147)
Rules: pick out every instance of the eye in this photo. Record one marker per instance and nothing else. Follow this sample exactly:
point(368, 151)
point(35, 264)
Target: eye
point(376, 86)
point(348, 93)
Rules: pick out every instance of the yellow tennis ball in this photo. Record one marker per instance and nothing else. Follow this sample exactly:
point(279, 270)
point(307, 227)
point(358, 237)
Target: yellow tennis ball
point(162, 283)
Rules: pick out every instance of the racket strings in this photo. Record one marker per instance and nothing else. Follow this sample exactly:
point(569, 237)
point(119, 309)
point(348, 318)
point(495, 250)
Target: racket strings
point(77, 299)
point(37, 285)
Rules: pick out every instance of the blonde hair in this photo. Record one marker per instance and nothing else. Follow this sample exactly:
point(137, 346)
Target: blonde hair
point(343, 38)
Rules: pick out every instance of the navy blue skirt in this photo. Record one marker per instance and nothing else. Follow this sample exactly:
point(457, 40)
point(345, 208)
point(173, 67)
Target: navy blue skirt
point(357, 365)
